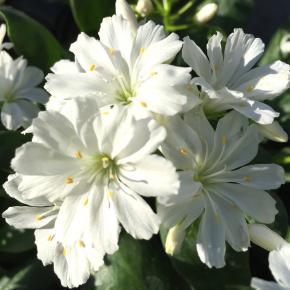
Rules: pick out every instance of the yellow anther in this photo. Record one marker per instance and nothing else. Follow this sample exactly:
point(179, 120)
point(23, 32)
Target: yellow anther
point(110, 193)
point(216, 67)
point(249, 89)
point(143, 104)
point(142, 49)
point(50, 238)
point(81, 244)
point(224, 140)
point(248, 178)
point(64, 251)
point(69, 180)
point(111, 51)
point(39, 217)
point(153, 73)
point(183, 151)
point(105, 113)
point(189, 88)
point(92, 67)
point(78, 154)
point(106, 161)
point(217, 218)
point(86, 201)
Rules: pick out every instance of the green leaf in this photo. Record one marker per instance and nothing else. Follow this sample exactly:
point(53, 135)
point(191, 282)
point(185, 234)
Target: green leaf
point(88, 14)
point(32, 276)
point(273, 52)
point(138, 265)
point(233, 13)
point(199, 276)
point(31, 39)
point(15, 241)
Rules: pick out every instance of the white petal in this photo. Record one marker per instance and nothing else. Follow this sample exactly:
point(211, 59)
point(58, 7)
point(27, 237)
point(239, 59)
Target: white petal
point(194, 57)
point(31, 77)
point(260, 284)
point(36, 159)
point(11, 116)
point(256, 203)
point(26, 217)
point(279, 263)
point(33, 94)
point(210, 242)
point(274, 132)
point(135, 214)
point(65, 67)
point(151, 176)
point(46, 245)
point(260, 176)
point(257, 111)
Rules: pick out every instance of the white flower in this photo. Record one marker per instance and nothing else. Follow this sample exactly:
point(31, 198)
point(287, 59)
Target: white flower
point(125, 67)
point(19, 94)
point(144, 7)
point(228, 79)
point(96, 168)
point(73, 262)
point(279, 263)
point(214, 185)
point(206, 12)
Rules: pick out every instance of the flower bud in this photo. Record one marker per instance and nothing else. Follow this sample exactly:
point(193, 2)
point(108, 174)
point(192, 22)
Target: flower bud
point(285, 45)
point(174, 239)
point(144, 7)
point(273, 132)
point(123, 9)
point(265, 238)
point(206, 12)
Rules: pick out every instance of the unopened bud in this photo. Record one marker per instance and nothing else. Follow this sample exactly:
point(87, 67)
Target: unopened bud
point(206, 12)
point(123, 9)
point(265, 238)
point(144, 7)
point(273, 132)
point(174, 239)
point(285, 45)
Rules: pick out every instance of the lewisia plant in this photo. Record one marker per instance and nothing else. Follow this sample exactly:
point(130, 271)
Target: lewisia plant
point(124, 124)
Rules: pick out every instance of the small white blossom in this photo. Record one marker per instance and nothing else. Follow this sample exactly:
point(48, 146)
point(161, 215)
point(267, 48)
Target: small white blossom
point(279, 264)
point(144, 7)
point(19, 93)
point(206, 12)
point(94, 169)
point(228, 79)
point(215, 184)
point(265, 238)
point(126, 68)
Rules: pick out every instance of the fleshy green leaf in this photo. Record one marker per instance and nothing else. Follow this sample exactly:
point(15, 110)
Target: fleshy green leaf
point(138, 265)
point(31, 39)
point(88, 14)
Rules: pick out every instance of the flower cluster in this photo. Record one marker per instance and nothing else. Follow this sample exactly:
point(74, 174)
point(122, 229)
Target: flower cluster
point(124, 124)
point(19, 93)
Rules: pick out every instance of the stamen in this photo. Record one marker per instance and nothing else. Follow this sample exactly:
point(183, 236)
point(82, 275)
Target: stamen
point(105, 113)
point(143, 104)
point(224, 140)
point(189, 88)
point(153, 73)
point(106, 161)
point(111, 51)
point(86, 201)
point(50, 238)
point(183, 151)
point(92, 67)
point(217, 218)
point(249, 89)
point(142, 49)
point(78, 154)
point(69, 180)
point(216, 67)
point(110, 193)
point(64, 251)
point(39, 217)
point(248, 178)
point(81, 244)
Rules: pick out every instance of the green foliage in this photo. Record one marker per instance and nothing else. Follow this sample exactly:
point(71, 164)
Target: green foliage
point(138, 265)
point(88, 14)
point(31, 39)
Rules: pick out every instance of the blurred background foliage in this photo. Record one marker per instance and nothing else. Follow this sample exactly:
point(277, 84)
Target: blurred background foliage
point(42, 31)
